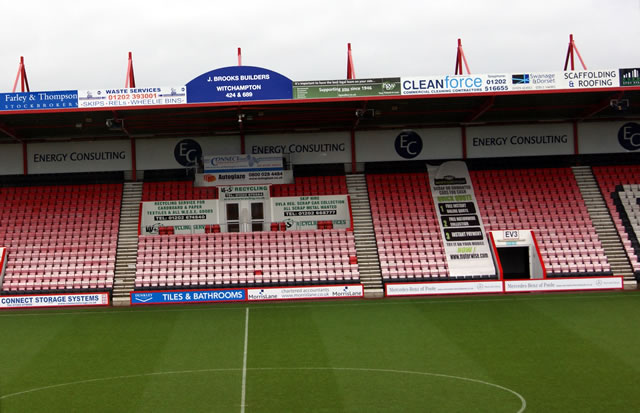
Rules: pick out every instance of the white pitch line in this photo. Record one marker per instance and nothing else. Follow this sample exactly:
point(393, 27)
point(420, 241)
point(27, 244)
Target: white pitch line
point(244, 362)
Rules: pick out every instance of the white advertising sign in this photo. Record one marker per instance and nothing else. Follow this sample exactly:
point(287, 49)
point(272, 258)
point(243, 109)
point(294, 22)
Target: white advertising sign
point(304, 212)
point(564, 284)
point(244, 192)
point(466, 247)
point(609, 137)
point(146, 96)
point(305, 293)
point(244, 178)
point(64, 157)
point(303, 148)
point(178, 153)
point(449, 287)
point(242, 163)
point(11, 159)
point(408, 144)
point(54, 300)
point(186, 217)
point(491, 83)
point(520, 140)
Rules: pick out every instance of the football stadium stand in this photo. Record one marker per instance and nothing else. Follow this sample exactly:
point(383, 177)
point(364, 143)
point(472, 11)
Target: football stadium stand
point(547, 201)
point(620, 189)
point(59, 237)
point(260, 258)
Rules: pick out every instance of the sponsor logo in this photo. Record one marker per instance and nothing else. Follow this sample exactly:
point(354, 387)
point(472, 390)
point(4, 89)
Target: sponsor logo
point(629, 136)
point(522, 79)
point(408, 144)
point(187, 152)
point(143, 297)
point(630, 77)
point(388, 86)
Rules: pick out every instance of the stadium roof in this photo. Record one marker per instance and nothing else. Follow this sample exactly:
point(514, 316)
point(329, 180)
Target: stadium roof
point(379, 112)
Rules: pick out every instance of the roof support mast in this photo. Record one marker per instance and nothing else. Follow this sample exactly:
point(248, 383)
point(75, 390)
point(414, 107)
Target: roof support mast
point(130, 81)
point(351, 71)
point(573, 49)
point(460, 58)
point(22, 76)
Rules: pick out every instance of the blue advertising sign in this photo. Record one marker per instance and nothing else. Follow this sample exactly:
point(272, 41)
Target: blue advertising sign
point(63, 99)
point(238, 83)
point(186, 296)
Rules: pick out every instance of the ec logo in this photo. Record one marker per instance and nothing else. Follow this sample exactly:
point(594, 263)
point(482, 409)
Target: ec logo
point(187, 152)
point(408, 144)
point(629, 136)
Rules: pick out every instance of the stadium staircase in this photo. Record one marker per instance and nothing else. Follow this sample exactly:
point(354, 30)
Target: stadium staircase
point(127, 252)
point(603, 223)
point(366, 247)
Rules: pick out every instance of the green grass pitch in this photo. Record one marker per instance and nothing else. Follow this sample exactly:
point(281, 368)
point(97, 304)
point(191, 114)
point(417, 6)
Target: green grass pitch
point(522, 353)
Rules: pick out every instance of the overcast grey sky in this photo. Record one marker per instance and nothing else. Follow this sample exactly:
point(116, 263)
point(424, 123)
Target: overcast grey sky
point(83, 44)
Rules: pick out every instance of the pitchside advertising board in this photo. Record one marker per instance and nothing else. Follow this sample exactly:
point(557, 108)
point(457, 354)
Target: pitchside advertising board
point(250, 294)
point(443, 288)
point(54, 300)
point(520, 140)
point(304, 212)
point(186, 217)
point(507, 286)
point(609, 137)
point(408, 144)
point(66, 157)
point(564, 284)
point(466, 246)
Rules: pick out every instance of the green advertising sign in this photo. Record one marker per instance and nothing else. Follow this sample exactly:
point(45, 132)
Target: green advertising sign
point(346, 88)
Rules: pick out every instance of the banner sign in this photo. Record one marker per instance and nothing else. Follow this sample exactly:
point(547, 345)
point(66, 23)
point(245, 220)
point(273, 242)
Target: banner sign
point(304, 148)
point(242, 163)
point(179, 153)
point(445, 288)
point(564, 284)
point(609, 137)
point(408, 144)
point(187, 296)
point(304, 212)
point(239, 83)
point(64, 157)
point(244, 178)
point(466, 247)
point(346, 88)
point(186, 217)
point(150, 96)
point(305, 293)
point(244, 193)
point(54, 300)
point(64, 99)
point(519, 140)
point(490, 83)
